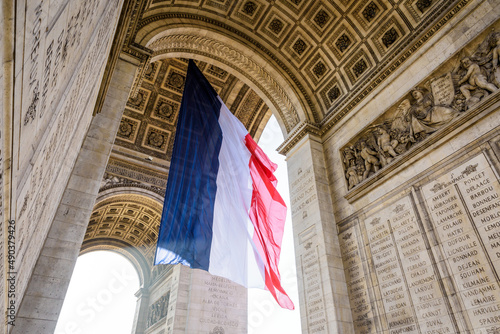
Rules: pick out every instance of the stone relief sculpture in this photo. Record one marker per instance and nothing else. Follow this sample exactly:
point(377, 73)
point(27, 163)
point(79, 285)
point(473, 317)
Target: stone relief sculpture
point(425, 109)
point(111, 180)
point(158, 310)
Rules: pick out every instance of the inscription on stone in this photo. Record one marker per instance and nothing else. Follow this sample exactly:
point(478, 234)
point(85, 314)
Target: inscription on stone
point(68, 121)
point(304, 191)
point(408, 282)
point(362, 312)
point(219, 302)
point(443, 90)
point(316, 317)
point(464, 207)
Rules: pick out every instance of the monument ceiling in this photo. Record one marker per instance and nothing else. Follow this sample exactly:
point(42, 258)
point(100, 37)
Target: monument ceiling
point(150, 117)
point(310, 62)
point(131, 218)
point(332, 52)
point(128, 224)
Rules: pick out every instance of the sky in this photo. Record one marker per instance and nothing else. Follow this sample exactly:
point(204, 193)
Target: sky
point(100, 297)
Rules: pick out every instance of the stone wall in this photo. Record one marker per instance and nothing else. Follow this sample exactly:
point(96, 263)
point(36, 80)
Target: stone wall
point(58, 63)
point(417, 225)
point(193, 301)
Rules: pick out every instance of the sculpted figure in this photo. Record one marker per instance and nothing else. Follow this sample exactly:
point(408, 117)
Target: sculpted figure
point(385, 143)
point(495, 53)
point(401, 121)
point(349, 156)
point(495, 45)
point(425, 117)
point(474, 78)
point(368, 156)
point(352, 176)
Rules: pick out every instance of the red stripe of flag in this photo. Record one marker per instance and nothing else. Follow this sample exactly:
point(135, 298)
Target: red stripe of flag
point(268, 215)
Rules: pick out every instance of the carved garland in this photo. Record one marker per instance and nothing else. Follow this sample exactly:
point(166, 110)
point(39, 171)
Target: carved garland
point(235, 59)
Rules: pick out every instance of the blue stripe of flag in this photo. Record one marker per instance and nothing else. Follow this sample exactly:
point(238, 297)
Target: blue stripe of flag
point(186, 223)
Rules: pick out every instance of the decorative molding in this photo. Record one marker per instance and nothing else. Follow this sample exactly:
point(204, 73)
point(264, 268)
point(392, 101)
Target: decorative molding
point(300, 132)
point(384, 69)
point(233, 58)
point(203, 22)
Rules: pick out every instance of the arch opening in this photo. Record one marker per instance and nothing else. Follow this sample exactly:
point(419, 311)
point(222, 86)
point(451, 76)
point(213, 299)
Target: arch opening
point(101, 295)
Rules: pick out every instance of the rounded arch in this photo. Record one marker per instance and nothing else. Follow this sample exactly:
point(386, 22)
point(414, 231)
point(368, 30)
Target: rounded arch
point(233, 56)
point(135, 190)
point(126, 220)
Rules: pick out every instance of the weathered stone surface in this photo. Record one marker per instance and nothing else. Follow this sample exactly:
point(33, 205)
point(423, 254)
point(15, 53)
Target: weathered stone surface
point(399, 233)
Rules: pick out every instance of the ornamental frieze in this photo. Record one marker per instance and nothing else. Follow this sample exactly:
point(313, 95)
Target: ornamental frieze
point(158, 310)
point(458, 86)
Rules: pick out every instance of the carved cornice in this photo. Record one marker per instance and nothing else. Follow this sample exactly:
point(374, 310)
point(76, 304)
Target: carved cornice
point(156, 190)
point(135, 13)
point(233, 58)
point(137, 173)
point(300, 132)
point(122, 30)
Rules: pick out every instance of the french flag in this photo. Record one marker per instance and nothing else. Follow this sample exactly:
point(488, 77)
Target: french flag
point(222, 212)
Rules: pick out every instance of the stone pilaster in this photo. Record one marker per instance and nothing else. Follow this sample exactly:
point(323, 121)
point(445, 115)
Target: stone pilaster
point(42, 302)
point(322, 288)
point(141, 311)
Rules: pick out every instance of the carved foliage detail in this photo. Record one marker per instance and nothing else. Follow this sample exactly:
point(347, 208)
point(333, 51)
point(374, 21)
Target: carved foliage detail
point(299, 46)
point(319, 69)
point(249, 8)
point(333, 93)
point(359, 67)
point(321, 18)
point(370, 11)
point(217, 330)
point(422, 5)
point(390, 37)
point(343, 43)
point(276, 26)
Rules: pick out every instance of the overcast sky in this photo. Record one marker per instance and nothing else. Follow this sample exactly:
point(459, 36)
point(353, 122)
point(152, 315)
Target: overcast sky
point(101, 299)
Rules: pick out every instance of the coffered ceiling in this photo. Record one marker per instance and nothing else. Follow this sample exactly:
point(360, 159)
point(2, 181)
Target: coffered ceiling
point(331, 51)
point(150, 117)
point(310, 62)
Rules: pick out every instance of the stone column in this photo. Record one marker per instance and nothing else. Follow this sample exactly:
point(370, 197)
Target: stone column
point(141, 311)
point(42, 302)
point(322, 288)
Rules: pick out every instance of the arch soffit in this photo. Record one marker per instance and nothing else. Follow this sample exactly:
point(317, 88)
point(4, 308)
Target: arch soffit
point(233, 56)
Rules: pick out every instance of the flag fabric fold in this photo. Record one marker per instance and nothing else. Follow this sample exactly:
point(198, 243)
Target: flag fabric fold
point(222, 212)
